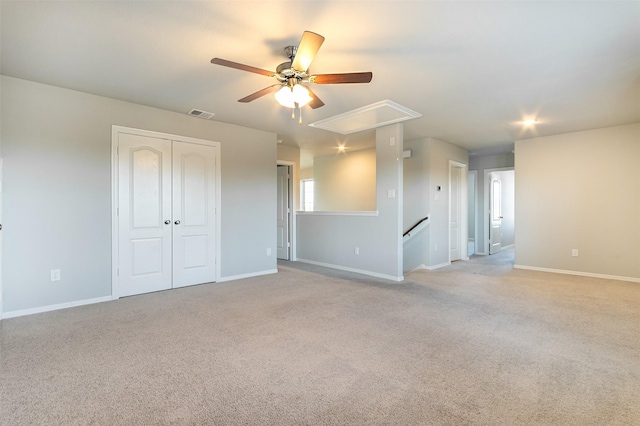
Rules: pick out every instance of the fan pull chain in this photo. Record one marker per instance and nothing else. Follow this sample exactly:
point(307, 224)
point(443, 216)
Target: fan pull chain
point(293, 112)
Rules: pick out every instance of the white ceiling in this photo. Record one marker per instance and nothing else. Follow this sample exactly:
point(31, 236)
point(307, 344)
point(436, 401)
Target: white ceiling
point(474, 70)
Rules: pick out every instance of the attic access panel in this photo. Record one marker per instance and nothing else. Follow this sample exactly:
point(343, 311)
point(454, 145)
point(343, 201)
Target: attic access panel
point(368, 117)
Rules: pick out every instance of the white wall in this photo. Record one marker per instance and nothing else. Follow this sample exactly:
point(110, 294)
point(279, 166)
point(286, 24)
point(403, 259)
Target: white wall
point(56, 145)
point(345, 181)
point(580, 190)
point(330, 239)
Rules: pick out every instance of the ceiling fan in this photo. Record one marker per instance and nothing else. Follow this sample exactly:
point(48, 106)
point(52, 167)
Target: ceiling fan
point(293, 76)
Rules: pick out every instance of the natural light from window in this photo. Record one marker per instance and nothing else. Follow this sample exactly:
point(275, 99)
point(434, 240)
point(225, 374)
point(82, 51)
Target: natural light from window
point(307, 192)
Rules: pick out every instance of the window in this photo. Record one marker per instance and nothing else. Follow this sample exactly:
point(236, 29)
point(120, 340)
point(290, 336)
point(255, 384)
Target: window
point(307, 195)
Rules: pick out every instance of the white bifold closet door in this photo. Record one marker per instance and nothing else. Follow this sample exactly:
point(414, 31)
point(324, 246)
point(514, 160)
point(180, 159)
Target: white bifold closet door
point(166, 214)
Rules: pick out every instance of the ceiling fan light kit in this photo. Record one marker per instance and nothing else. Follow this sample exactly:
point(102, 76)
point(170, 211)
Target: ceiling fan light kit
point(291, 91)
point(292, 96)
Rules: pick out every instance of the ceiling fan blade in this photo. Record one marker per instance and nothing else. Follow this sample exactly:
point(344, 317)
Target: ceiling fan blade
point(353, 77)
point(307, 49)
point(260, 93)
point(241, 67)
point(315, 100)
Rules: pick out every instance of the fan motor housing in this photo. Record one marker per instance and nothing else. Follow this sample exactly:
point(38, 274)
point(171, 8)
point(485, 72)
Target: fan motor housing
point(284, 72)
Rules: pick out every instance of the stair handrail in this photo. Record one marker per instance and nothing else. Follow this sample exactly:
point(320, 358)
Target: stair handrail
point(415, 226)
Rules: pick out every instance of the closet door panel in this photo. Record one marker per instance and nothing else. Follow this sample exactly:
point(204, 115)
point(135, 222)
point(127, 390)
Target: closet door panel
point(194, 239)
point(144, 204)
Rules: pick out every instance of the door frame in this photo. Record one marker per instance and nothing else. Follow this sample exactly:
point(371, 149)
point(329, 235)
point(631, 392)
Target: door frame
point(485, 202)
point(464, 199)
point(293, 200)
point(115, 131)
point(475, 208)
point(493, 222)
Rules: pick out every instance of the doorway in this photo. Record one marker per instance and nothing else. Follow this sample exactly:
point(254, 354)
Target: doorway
point(457, 211)
point(283, 243)
point(285, 218)
point(499, 211)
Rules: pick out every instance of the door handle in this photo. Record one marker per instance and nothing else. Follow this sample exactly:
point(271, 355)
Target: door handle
point(166, 222)
point(177, 222)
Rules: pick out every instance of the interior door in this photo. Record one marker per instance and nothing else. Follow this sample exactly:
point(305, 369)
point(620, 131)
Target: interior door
point(283, 211)
point(455, 193)
point(194, 231)
point(495, 214)
point(144, 214)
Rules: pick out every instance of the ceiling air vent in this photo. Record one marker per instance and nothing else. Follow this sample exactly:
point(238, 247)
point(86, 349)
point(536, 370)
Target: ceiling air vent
point(202, 114)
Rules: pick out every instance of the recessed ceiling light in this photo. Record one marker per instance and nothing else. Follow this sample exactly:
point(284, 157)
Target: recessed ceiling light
point(529, 122)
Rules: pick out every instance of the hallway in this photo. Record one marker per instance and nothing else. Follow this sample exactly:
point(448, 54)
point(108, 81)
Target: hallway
point(495, 264)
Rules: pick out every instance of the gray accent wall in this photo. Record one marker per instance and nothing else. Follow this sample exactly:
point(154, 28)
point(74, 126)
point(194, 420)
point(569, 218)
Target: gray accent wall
point(331, 239)
point(56, 145)
point(425, 171)
point(481, 164)
point(580, 191)
point(416, 204)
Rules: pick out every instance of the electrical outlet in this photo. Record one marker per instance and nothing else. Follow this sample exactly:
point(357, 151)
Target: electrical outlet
point(356, 250)
point(435, 247)
point(55, 275)
point(574, 252)
point(268, 252)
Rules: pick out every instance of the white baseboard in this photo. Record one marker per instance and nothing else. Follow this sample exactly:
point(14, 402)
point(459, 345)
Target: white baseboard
point(251, 275)
point(41, 309)
point(440, 265)
point(420, 267)
point(357, 271)
point(431, 268)
point(582, 274)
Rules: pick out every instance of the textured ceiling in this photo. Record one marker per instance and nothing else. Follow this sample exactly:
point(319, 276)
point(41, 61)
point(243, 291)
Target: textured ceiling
point(474, 70)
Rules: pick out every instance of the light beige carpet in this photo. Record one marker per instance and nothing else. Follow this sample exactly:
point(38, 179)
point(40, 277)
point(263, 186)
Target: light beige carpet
point(316, 346)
